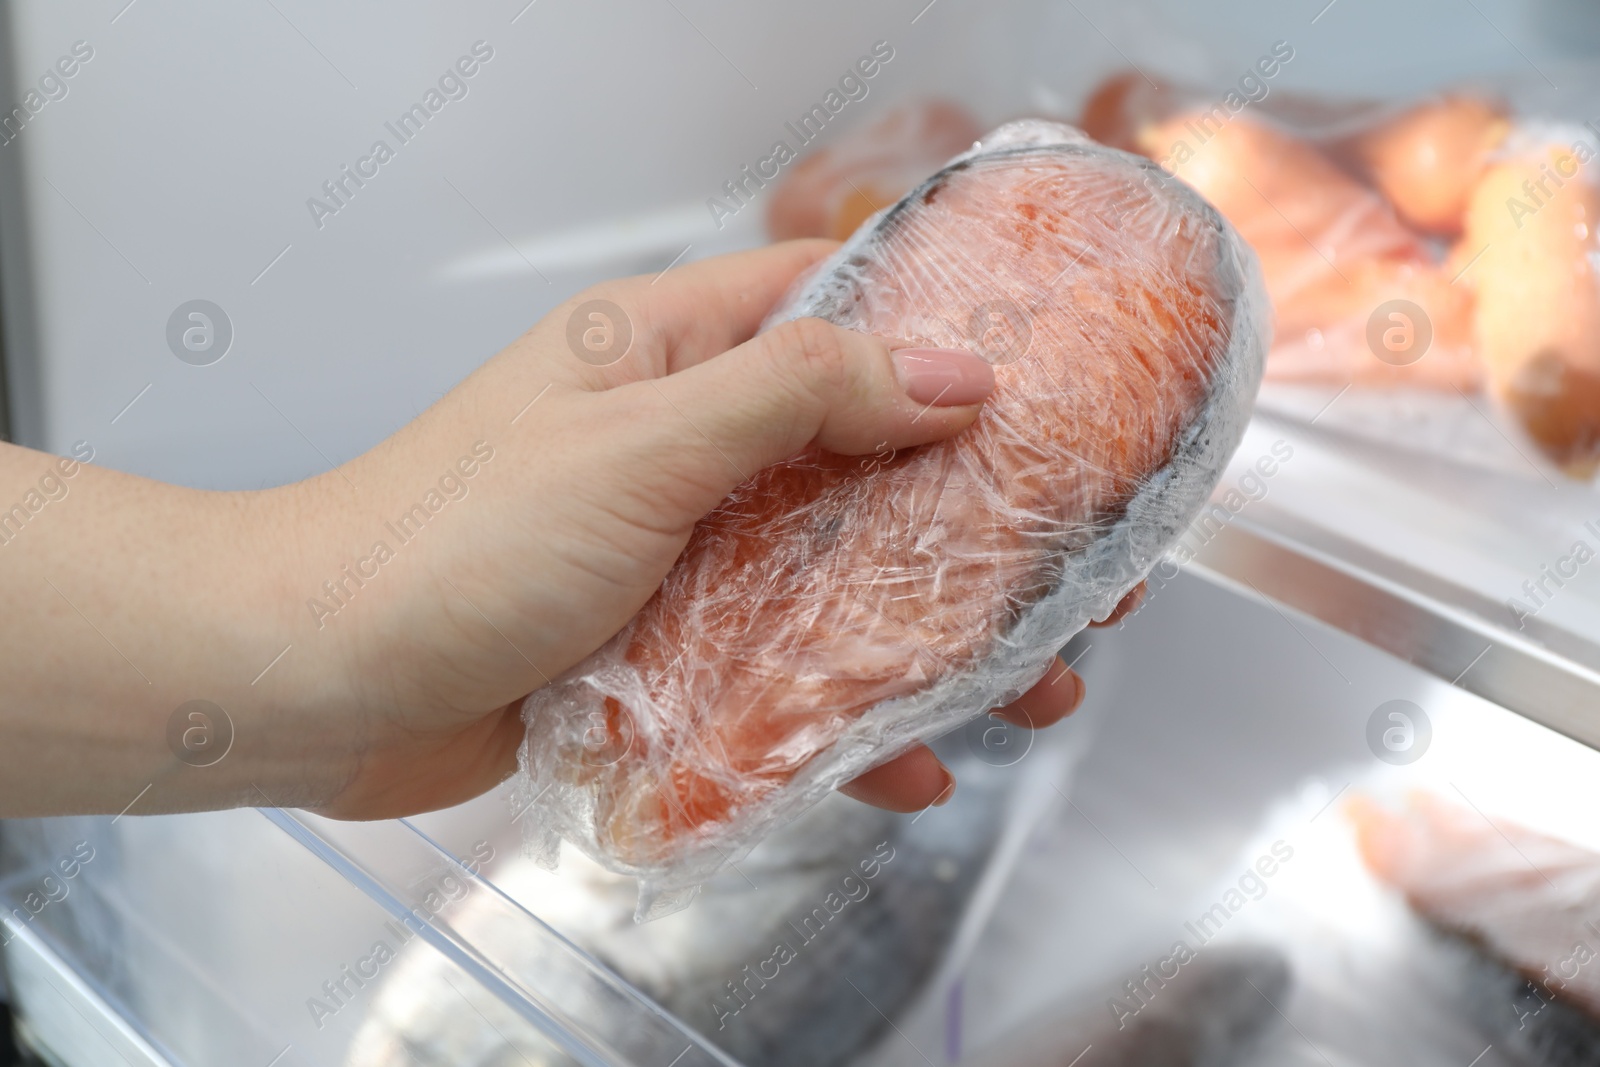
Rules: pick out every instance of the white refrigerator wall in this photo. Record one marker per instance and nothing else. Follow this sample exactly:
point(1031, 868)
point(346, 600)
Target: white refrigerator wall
point(176, 165)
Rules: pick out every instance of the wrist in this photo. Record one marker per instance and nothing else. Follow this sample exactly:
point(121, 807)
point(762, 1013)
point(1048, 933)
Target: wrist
point(294, 691)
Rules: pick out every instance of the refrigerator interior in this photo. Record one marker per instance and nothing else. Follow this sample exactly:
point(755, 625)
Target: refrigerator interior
point(215, 937)
point(182, 163)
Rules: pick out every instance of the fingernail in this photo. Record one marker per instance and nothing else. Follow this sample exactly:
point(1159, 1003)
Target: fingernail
point(943, 377)
point(948, 791)
point(1077, 680)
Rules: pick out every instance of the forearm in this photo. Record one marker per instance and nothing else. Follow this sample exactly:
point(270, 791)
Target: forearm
point(312, 648)
point(126, 599)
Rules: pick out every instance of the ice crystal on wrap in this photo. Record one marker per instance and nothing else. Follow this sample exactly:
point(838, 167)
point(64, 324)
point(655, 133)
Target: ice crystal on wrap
point(834, 610)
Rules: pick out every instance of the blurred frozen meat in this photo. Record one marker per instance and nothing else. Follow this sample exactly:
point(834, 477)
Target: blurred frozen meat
point(833, 190)
point(1532, 232)
point(1444, 243)
point(1214, 1013)
point(1332, 250)
point(1528, 901)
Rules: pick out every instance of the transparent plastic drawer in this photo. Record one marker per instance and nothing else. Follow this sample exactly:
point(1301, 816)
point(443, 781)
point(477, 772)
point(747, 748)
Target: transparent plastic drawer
point(1056, 882)
point(242, 936)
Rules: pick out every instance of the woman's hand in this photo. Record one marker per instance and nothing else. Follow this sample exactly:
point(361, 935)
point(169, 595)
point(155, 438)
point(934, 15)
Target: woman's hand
point(598, 474)
point(360, 643)
point(917, 779)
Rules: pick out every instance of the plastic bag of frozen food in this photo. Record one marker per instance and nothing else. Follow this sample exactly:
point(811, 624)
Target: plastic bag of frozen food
point(1334, 248)
point(835, 610)
point(1446, 242)
point(1530, 253)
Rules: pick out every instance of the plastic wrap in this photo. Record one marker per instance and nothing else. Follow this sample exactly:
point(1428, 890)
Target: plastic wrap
point(835, 610)
point(1444, 243)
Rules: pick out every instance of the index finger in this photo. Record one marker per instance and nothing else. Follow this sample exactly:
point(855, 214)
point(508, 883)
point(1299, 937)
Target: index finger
point(702, 309)
point(1127, 606)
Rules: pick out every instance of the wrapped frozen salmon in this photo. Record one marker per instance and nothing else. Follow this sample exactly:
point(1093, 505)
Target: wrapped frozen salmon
point(833, 611)
point(1528, 901)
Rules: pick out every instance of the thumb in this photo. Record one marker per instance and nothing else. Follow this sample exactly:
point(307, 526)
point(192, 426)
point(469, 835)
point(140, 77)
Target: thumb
point(801, 383)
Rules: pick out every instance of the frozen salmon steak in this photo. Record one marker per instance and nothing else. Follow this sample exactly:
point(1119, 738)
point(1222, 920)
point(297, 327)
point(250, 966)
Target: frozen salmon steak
point(835, 610)
point(1526, 899)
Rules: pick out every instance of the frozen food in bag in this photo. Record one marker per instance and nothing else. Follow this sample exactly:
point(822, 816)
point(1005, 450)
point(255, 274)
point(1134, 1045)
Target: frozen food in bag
point(835, 610)
point(1333, 252)
point(1530, 253)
